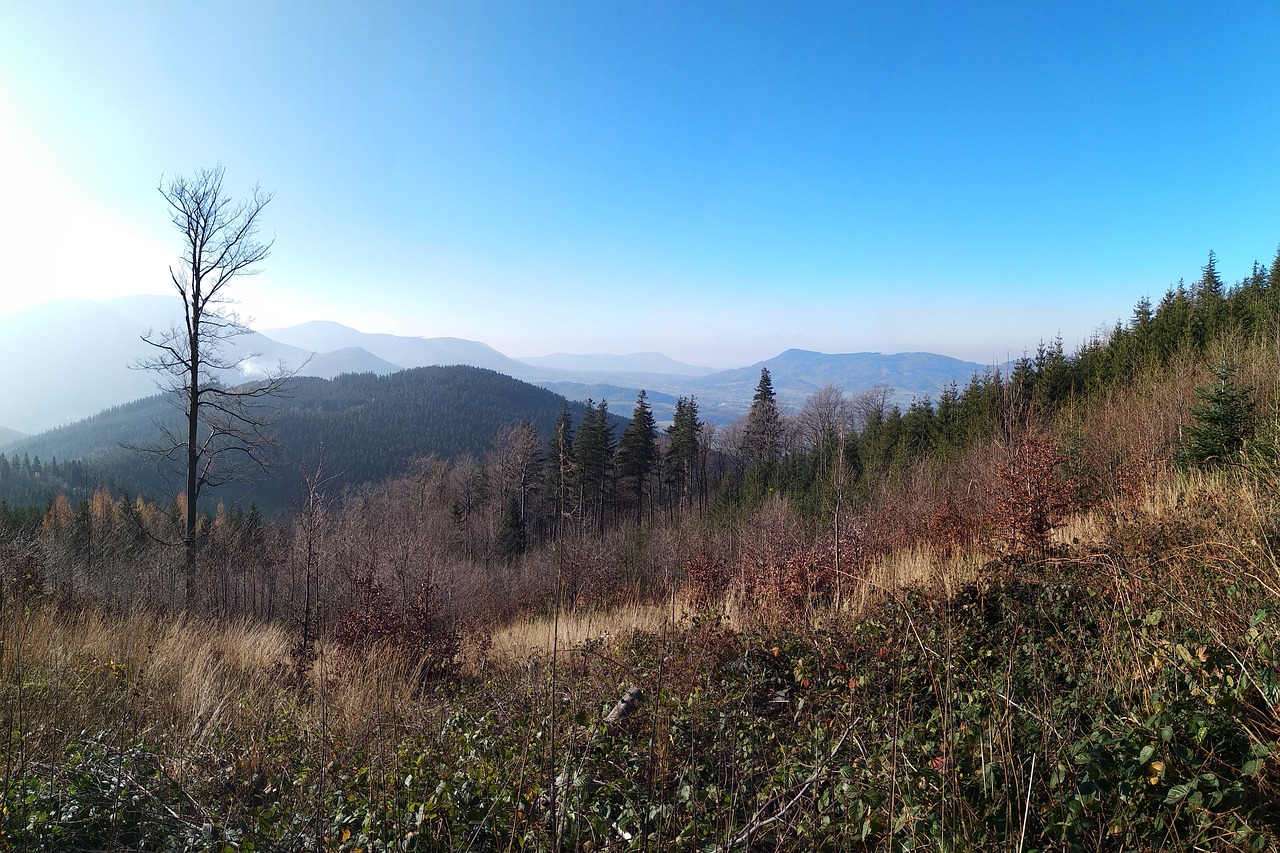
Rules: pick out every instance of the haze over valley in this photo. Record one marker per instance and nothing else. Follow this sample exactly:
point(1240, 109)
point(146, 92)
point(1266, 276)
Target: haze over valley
point(327, 349)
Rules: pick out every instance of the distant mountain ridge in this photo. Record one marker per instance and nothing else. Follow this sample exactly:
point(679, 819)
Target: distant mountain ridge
point(638, 362)
point(798, 373)
point(404, 352)
point(64, 361)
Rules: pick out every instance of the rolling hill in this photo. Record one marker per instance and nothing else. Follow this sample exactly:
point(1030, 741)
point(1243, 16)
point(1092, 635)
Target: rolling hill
point(639, 362)
point(366, 428)
point(798, 373)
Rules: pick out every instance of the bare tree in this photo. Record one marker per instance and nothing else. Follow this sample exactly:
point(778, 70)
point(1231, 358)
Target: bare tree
point(223, 435)
point(515, 457)
point(874, 402)
point(826, 414)
point(824, 424)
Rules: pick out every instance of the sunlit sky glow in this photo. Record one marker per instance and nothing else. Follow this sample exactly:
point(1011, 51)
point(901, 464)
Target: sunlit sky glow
point(716, 181)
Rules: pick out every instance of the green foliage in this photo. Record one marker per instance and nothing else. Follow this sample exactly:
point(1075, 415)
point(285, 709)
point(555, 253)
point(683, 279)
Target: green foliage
point(106, 796)
point(593, 456)
point(1223, 421)
point(762, 439)
point(366, 428)
point(684, 450)
point(638, 449)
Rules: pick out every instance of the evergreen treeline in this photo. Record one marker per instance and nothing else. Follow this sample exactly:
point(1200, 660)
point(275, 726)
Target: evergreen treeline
point(545, 468)
point(27, 485)
point(841, 450)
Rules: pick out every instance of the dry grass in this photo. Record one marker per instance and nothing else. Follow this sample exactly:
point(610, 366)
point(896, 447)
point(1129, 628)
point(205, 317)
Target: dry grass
point(1083, 528)
point(188, 679)
point(536, 637)
point(196, 677)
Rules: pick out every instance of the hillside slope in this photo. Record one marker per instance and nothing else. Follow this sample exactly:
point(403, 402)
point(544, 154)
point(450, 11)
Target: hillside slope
point(364, 427)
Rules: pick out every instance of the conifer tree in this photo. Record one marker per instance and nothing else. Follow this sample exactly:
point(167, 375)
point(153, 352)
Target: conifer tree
point(638, 450)
point(763, 434)
point(1210, 284)
point(682, 450)
point(511, 536)
point(1172, 325)
point(1208, 301)
point(593, 449)
point(918, 432)
point(1257, 277)
point(1142, 314)
point(1223, 420)
point(947, 422)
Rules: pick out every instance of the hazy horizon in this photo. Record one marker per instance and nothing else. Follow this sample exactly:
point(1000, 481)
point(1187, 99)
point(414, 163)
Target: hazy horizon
point(716, 183)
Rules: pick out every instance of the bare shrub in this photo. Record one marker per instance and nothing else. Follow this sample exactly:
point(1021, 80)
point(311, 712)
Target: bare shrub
point(1033, 494)
point(420, 631)
point(770, 572)
point(707, 575)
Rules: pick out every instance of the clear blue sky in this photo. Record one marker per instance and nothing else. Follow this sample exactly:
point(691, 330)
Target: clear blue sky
point(717, 181)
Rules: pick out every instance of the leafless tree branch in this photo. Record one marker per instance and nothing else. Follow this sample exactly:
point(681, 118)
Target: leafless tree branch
point(225, 428)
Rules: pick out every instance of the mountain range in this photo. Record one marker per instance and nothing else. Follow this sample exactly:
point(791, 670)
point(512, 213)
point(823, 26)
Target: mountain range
point(66, 360)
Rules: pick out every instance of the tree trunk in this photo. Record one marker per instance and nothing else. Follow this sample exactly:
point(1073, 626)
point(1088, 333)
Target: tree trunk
point(193, 459)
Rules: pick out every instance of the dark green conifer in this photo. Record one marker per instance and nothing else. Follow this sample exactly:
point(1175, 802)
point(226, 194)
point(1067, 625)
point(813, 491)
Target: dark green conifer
point(684, 436)
point(1223, 420)
point(1142, 314)
point(763, 434)
point(1210, 284)
point(638, 450)
point(593, 449)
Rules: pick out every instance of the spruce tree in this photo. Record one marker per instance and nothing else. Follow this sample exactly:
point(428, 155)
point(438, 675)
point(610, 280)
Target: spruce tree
point(1210, 284)
point(1223, 420)
point(682, 450)
point(763, 435)
point(1142, 314)
point(919, 432)
point(638, 450)
point(947, 422)
point(511, 529)
point(1209, 302)
point(593, 449)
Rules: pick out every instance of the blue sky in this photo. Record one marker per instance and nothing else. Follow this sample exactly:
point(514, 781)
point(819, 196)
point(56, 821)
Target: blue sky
point(717, 181)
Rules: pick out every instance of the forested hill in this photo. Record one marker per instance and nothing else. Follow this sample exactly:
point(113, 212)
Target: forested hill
point(366, 427)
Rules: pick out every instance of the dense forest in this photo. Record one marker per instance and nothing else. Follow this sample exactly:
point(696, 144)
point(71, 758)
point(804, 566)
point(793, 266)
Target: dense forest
point(1036, 612)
